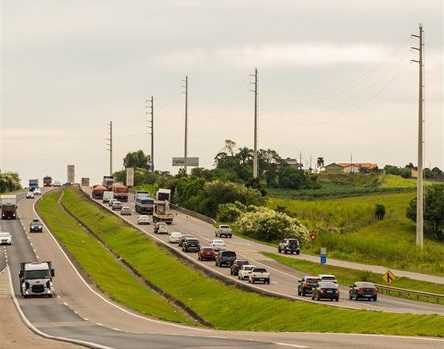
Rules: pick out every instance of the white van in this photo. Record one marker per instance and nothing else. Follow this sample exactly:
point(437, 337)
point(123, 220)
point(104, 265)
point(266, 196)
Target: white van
point(107, 195)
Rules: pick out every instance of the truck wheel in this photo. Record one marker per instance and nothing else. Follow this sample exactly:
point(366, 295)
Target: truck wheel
point(298, 252)
point(279, 250)
point(49, 295)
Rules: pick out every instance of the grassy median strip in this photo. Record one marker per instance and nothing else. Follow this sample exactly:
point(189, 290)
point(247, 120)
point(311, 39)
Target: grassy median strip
point(101, 266)
point(346, 276)
point(228, 307)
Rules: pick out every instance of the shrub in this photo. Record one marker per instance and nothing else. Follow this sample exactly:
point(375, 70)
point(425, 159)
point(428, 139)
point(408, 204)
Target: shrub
point(268, 225)
point(228, 212)
point(379, 211)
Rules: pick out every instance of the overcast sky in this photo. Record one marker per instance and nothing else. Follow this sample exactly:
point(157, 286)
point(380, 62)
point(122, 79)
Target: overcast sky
point(335, 78)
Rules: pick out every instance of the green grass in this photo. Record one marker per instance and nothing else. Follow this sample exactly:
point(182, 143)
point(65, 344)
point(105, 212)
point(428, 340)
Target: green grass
point(101, 267)
point(349, 231)
point(346, 276)
point(227, 307)
point(392, 181)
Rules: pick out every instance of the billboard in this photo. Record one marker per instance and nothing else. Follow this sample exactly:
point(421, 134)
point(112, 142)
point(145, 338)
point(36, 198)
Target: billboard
point(71, 174)
point(193, 161)
point(130, 176)
point(85, 182)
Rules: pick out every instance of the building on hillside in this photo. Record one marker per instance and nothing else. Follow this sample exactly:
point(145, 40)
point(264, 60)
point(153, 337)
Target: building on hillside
point(350, 167)
point(293, 163)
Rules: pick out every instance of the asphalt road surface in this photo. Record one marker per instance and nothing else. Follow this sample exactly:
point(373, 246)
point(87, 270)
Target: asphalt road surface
point(81, 312)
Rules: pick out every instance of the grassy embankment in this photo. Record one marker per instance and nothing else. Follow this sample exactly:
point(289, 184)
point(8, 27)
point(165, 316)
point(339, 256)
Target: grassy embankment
point(347, 277)
point(348, 229)
point(215, 302)
point(101, 266)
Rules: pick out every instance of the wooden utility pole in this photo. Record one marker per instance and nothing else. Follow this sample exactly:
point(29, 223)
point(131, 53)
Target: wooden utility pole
point(151, 127)
point(419, 182)
point(255, 159)
point(185, 155)
point(110, 149)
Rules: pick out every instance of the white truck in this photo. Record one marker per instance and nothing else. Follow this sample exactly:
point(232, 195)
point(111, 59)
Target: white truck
point(223, 230)
point(163, 194)
point(245, 271)
point(36, 279)
point(162, 212)
point(259, 274)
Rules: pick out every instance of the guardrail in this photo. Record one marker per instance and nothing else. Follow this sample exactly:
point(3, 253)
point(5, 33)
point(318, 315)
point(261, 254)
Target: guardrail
point(411, 294)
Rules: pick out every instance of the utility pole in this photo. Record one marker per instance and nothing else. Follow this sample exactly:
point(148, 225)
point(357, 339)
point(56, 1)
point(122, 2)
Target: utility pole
point(419, 182)
point(110, 149)
point(185, 155)
point(151, 127)
point(300, 159)
point(255, 160)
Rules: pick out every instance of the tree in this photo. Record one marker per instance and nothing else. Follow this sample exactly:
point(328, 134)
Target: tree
point(137, 159)
point(290, 177)
point(320, 162)
point(379, 211)
point(9, 181)
point(433, 210)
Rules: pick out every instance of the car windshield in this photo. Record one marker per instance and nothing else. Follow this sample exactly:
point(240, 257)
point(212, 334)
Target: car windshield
point(365, 284)
point(207, 249)
point(225, 227)
point(328, 277)
point(327, 285)
point(312, 280)
point(5, 235)
point(229, 254)
point(37, 274)
point(260, 270)
point(241, 262)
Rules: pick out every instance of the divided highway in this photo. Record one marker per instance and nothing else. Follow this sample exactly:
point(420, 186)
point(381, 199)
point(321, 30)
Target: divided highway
point(82, 313)
point(283, 278)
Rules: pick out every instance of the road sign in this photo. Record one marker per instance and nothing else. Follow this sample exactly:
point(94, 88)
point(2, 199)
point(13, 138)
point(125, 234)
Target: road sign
point(194, 161)
point(388, 277)
point(324, 250)
point(85, 182)
point(71, 174)
point(130, 176)
point(312, 237)
point(323, 259)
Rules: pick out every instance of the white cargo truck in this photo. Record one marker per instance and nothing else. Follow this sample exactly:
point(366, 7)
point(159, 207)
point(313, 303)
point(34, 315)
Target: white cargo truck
point(36, 279)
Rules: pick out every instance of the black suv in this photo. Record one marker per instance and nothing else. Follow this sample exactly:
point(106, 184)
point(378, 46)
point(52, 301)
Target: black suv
point(289, 246)
point(182, 239)
point(191, 245)
point(35, 226)
point(225, 258)
point(306, 285)
point(238, 263)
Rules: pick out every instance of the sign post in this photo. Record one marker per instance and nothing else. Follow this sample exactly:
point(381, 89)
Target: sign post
point(130, 176)
point(71, 174)
point(389, 277)
point(323, 255)
point(180, 162)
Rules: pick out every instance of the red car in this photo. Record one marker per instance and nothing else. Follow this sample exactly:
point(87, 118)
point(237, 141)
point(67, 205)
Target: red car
point(206, 254)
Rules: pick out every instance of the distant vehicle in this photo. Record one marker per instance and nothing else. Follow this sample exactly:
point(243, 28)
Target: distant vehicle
point(36, 279)
point(206, 254)
point(363, 290)
point(47, 181)
point(306, 285)
point(5, 238)
point(107, 196)
point(35, 226)
point(163, 194)
point(259, 274)
point(37, 191)
point(143, 219)
point(160, 228)
point(174, 237)
point(326, 290)
point(108, 182)
point(97, 192)
point(162, 212)
point(223, 230)
point(57, 184)
point(144, 204)
point(289, 246)
point(327, 277)
point(225, 258)
point(217, 245)
point(111, 202)
point(191, 245)
point(125, 211)
point(183, 238)
point(245, 271)
point(237, 264)
point(9, 206)
point(120, 192)
point(33, 183)
point(30, 195)
point(117, 206)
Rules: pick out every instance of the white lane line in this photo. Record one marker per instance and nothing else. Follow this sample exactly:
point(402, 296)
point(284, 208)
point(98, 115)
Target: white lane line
point(64, 303)
point(290, 345)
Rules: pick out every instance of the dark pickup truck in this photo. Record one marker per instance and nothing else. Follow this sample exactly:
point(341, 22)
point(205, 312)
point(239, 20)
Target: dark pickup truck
point(289, 246)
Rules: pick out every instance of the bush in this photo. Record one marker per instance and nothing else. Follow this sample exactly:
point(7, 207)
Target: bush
point(9, 181)
point(268, 225)
point(228, 212)
point(379, 211)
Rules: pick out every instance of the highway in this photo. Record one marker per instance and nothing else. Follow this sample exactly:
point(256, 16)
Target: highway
point(283, 278)
point(81, 312)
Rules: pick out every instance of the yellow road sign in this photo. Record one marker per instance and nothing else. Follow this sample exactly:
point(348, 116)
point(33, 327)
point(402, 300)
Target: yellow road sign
point(388, 277)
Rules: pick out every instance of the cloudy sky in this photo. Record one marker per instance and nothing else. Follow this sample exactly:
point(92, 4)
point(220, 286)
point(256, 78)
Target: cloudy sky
point(335, 78)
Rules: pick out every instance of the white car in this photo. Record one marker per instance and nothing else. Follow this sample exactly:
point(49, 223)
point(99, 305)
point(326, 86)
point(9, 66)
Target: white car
point(144, 219)
point(37, 191)
point(217, 244)
point(125, 211)
point(327, 277)
point(5, 238)
point(245, 270)
point(56, 184)
point(117, 205)
point(30, 195)
point(111, 202)
point(174, 237)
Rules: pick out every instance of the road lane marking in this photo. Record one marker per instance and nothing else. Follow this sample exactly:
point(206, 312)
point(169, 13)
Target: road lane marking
point(290, 345)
